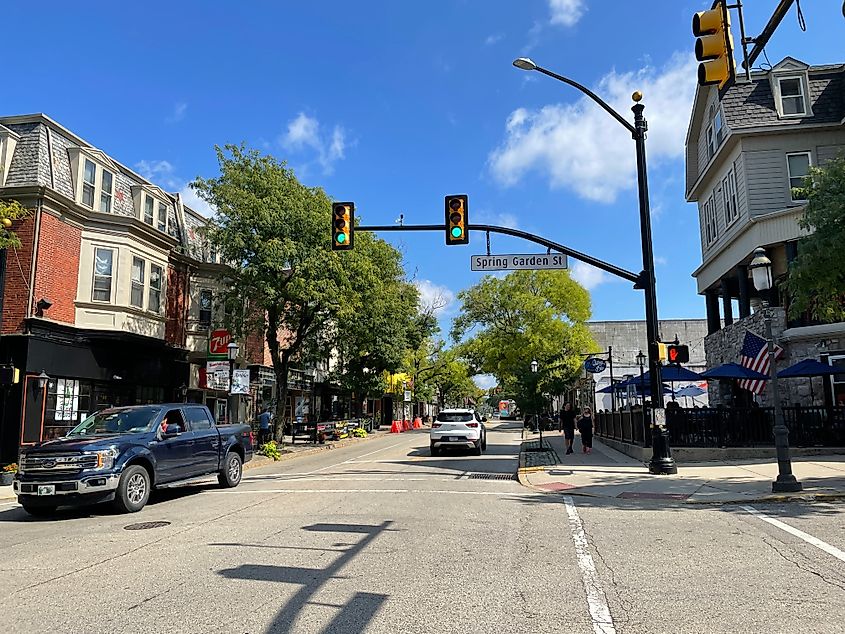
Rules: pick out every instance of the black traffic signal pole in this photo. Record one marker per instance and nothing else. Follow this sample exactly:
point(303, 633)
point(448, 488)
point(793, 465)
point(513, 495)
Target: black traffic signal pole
point(583, 257)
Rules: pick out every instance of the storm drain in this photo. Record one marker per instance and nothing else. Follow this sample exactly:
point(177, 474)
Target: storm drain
point(492, 476)
point(142, 526)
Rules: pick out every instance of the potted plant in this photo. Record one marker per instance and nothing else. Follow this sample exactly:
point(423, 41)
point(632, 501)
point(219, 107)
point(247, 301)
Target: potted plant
point(8, 474)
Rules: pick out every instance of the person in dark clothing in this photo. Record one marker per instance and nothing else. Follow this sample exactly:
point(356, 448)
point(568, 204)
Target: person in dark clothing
point(264, 426)
point(585, 428)
point(567, 425)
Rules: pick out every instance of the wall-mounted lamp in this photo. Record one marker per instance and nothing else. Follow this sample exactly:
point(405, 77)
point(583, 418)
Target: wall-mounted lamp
point(42, 380)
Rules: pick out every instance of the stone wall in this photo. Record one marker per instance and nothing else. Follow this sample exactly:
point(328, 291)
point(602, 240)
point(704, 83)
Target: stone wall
point(725, 345)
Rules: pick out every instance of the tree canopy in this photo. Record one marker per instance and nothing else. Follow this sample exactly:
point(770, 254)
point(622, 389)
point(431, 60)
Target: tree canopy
point(505, 323)
point(10, 210)
point(816, 281)
point(307, 300)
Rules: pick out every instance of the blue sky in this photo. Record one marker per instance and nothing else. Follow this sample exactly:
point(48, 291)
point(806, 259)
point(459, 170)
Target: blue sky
point(395, 104)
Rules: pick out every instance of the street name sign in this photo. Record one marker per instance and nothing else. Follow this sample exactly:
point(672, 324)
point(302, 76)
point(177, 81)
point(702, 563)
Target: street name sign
point(518, 262)
point(595, 365)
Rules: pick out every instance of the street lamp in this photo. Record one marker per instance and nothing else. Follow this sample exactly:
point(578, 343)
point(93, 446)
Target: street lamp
point(42, 380)
point(761, 274)
point(641, 359)
point(537, 426)
point(661, 459)
point(232, 353)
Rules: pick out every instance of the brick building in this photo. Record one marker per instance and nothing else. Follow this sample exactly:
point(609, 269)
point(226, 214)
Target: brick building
point(111, 293)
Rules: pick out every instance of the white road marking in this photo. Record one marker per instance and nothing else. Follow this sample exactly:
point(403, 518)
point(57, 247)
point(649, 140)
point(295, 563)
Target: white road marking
point(337, 464)
point(813, 541)
point(596, 600)
point(438, 491)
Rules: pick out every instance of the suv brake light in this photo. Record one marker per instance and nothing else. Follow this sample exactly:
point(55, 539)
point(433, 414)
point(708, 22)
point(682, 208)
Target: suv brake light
point(472, 425)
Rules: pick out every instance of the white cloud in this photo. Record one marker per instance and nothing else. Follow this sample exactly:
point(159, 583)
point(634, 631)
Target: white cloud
point(432, 295)
point(163, 174)
point(493, 39)
point(304, 133)
point(659, 259)
point(501, 219)
point(192, 200)
point(178, 113)
point(566, 12)
point(579, 147)
point(587, 275)
point(485, 381)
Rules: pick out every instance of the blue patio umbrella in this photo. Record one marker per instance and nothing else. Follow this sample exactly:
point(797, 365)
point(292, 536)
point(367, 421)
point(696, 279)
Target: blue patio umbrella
point(690, 390)
point(733, 371)
point(675, 373)
point(809, 368)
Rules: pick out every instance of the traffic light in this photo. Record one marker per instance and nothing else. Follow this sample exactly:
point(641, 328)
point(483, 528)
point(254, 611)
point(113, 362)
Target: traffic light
point(677, 354)
point(714, 46)
point(662, 352)
point(457, 220)
point(343, 226)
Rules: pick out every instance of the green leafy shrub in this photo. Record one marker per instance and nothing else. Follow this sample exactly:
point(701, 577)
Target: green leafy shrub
point(271, 450)
point(359, 432)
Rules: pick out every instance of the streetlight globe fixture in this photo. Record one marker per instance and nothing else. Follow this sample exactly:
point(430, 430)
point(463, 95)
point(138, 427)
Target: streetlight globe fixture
point(761, 270)
point(42, 380)
point(525, 63)
point(534, 366)
point(641, 359)
point(637, 96)
point(232, 350)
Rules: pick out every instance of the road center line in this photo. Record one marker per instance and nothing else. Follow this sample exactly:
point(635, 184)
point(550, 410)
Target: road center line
point(596, 600)
point(345, 491)
point(813, 541)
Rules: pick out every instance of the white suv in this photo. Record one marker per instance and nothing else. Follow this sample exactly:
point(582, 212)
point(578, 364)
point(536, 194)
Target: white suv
point(458, 428)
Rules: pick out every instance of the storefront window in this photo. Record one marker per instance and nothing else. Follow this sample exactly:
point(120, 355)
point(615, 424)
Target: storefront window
point(145, 394)
point(68, 403)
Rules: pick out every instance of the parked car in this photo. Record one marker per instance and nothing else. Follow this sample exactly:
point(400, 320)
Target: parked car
point(458, 428)
point(123, 453)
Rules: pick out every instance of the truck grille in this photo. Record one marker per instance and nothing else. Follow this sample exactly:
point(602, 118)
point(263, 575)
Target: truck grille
point(58, 463)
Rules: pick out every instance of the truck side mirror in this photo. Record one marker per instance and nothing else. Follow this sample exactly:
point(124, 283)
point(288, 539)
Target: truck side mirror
point(171, 432)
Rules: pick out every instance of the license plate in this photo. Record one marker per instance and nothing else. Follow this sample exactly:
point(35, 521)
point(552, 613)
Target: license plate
point(46, 489)
point(454, 439)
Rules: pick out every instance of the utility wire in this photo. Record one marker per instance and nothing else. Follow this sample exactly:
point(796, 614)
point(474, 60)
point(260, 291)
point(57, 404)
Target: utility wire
point(801, 23)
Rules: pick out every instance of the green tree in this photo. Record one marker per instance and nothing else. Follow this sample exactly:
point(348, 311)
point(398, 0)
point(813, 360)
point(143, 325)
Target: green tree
point(275, 234)
point(375, 341)
point(506, 323)
point(452, 383)
point(10, 211)
point(816, 281)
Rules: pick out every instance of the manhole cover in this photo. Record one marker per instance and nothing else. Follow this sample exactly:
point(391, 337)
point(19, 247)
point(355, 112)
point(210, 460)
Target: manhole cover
point(142, 526)
point(492, 476)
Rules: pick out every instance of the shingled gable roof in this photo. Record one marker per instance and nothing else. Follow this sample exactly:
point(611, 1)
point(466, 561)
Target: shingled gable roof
point(752, 104)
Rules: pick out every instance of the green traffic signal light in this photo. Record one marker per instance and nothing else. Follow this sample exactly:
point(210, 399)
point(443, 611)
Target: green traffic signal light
point(341, 238)
point(456, 232)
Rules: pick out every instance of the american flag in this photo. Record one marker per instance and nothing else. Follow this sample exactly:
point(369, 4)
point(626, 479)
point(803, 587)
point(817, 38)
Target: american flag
point(755, 355)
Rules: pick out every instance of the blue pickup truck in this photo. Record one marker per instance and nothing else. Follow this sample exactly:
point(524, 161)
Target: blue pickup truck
point(123, 453)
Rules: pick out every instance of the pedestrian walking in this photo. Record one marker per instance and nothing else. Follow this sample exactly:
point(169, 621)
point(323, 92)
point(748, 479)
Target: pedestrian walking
point(567, 426)
point(264, 426)
point(585, 428)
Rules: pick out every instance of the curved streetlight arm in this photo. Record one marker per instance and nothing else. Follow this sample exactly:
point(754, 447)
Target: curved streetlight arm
point(592, 96)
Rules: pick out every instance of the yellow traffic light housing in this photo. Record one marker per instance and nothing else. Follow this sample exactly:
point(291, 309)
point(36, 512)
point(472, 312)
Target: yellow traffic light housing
point(714, 46)
point(343, 226)
point(662, 352)
point(457, 221)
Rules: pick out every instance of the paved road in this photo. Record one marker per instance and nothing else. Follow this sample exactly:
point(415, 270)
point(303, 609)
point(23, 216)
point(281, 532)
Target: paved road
point(381, 537)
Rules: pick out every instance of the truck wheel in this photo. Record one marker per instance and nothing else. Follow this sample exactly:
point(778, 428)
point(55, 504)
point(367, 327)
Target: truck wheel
point(232, 471)
point(133, 490)
point(38, 511)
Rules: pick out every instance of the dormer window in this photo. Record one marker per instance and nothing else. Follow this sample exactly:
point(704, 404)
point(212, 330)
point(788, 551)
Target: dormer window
point(89, 178)
point(106, 190)
point(94, 178)
point(718, 127)
point(792, 99)
point(150, 206)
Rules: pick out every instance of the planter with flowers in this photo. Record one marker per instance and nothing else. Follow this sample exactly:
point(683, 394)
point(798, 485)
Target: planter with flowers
point(8, 474)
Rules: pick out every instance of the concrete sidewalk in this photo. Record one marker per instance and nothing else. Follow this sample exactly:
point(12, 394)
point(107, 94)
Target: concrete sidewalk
point(610, 474)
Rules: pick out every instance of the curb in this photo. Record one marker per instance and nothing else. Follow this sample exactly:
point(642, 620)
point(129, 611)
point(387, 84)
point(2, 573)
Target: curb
point(339, 444)
point(769, 499)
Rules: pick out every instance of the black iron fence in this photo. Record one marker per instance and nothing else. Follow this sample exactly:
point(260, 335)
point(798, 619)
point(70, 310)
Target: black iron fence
point(728, 427)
